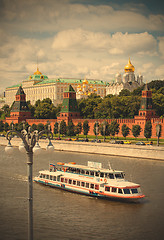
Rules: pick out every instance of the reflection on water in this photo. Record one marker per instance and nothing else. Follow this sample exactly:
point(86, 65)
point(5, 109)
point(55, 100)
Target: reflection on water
point(63, 215)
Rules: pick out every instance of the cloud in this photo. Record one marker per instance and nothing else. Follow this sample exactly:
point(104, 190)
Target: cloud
point(118, 43)
point(160, 72)
point(47, 15)
point(161, 46)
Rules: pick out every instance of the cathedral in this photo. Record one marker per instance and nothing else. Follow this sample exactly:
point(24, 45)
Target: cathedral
point(128, 81)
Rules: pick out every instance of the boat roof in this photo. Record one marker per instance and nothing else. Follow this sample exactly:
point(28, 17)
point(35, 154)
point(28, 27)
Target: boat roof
point(105, 170)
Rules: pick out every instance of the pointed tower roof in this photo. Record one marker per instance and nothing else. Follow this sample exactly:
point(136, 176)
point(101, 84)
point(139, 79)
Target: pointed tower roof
point(20, 91)
point(69, 89)
point(146, 88)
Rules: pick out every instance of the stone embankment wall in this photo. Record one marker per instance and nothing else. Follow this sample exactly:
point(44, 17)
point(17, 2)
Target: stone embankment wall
point(144, 152)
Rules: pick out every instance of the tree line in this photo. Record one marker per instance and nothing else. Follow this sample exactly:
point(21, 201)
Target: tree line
point(104, 129)
point(125, 105)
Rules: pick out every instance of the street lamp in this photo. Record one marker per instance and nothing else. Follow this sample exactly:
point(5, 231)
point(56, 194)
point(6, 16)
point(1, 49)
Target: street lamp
point(29, 145)
point(158, 130)
point(97, 128)
point(104, 129)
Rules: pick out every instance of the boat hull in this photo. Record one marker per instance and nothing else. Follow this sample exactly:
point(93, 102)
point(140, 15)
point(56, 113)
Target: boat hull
point(89, 192)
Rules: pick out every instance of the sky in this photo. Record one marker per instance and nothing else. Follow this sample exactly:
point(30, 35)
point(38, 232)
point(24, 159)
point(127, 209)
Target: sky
point(80, 38)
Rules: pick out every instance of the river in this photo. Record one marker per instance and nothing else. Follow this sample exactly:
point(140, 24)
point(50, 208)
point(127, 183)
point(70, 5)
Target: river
point(64, 215)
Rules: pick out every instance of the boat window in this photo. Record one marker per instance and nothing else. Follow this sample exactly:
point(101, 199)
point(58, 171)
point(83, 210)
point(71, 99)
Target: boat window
point(78, 183)
point(87, 185)
point(101, 174)
point(119, 175)
point(77, 170)
point(120, 190)
point(58, 178)
point(54, 178)
point(106, 175)
point(47, 176)
point(91, 173)
point(114, 189)
point(92, 185)
point(97, 187)
point(97, 174)
point(40, 175)
point(62, 179)
point(111, 176)
point(126, 191)
point(66, 180)
point(87, 172)
point(43, 176)
point(134, 190)
point(107, 189)
point(74, 182)
point(70, 181)
point(82, 171)
point(50, 177)
point(83, 184)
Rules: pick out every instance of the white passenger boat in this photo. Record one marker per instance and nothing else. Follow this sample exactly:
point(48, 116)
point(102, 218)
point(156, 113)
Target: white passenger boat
point(92, 180)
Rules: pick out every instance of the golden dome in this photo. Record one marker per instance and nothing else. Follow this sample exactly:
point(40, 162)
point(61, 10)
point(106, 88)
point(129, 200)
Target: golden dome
point(37, 72)
point(85, 81)
point(129, 67)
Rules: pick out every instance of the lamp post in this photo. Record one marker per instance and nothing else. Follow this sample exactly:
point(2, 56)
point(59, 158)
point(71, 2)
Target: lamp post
point(104, 128)
point(158, 130)
point(31, 146)
point(59, 129)
point(96, 129)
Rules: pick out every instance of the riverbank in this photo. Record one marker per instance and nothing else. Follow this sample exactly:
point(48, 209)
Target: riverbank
point(145, 152)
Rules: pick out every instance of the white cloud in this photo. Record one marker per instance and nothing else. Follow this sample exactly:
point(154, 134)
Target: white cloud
point(161, 46)
point(160, 72)
point(118, 43)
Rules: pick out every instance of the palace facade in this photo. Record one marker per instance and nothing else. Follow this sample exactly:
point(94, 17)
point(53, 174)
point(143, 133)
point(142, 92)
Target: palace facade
point(38, 86)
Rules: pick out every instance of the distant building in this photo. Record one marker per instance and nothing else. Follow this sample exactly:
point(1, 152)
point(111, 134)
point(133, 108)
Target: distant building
point(39, 86)
point(128, 81)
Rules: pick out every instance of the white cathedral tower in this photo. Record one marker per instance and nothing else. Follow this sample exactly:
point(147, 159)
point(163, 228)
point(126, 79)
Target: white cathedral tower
point(128, 81)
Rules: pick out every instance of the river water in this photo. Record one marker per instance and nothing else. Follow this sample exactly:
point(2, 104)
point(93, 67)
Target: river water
point(64, 215)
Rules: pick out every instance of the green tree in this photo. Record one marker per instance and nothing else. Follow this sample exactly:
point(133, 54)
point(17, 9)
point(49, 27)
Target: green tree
point(104, 129)
point(33, 127)
point(45, 109)
point(1, 126)
point(125, 130)
point(6, 111)
point(40, 127)
point(136, 129)
point(56, 126)
point(125, 92)
point(148, 130)
point(31, 108)
point(87, 106)
point(63, 127)
point(86, 128)
point(114, 128)
point(6, 126)
point(70, 129)
point(158, 104)
point(78, 128)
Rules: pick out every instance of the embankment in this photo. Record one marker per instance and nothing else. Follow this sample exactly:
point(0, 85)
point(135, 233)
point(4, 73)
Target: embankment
point(145, 152)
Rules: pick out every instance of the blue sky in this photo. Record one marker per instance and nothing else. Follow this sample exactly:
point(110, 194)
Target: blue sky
point(80, 38)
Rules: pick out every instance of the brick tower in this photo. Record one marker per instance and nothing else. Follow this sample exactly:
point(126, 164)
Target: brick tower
point(69, 108)
point(19, 109)
point(146, 111)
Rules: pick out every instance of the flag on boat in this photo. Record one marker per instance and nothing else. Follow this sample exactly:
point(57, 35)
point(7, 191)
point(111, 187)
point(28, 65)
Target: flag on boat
point(52, 165)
